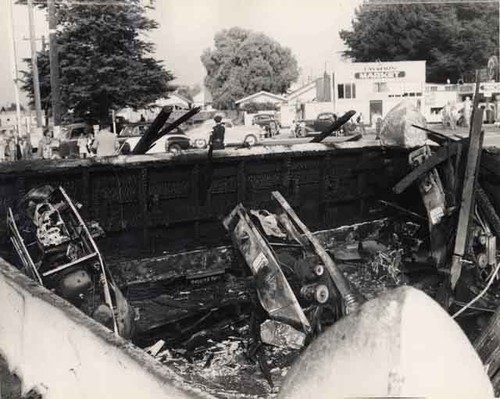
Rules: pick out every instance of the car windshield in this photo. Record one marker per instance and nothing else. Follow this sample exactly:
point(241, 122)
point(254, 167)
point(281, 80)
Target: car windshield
point(325, 116)
point(78, 132)
point(132, 131)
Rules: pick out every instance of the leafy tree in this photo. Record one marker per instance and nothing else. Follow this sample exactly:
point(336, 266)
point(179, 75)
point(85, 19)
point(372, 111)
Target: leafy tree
point(104, 61)
point(189, 92)
point(454, 39)
point(244, 62)
point(254, 107)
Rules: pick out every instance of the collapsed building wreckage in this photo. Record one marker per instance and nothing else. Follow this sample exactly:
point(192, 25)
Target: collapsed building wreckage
point(241, 325)
point(222, 324)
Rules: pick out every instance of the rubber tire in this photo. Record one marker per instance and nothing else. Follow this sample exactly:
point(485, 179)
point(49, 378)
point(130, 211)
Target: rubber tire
point(174, 149)
point(250, 140)
point(301, 132)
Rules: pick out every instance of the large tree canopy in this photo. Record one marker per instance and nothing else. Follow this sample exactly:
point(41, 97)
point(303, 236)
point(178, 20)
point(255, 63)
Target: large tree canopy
point(244, 62)
point(104, 61)
point(455, 40)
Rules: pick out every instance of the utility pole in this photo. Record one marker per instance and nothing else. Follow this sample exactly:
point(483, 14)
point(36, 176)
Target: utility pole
point(34, 66)
point(54, 64)
point(13, 63)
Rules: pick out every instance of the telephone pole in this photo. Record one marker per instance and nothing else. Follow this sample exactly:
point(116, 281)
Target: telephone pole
point(34, 66)
point(14, 69)
point(54, 63)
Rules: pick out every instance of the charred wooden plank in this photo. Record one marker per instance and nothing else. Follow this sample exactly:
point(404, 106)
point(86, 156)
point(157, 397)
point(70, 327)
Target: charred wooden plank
point(151, 134)
point(467, 202)
point(488, 210)
point(441, 155)
point(335, 126)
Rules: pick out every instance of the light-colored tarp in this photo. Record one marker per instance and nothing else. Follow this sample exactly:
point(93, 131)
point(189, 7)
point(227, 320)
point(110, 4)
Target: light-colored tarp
point(397, 129)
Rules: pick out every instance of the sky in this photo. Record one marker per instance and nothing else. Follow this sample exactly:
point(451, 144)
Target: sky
point(310, 28)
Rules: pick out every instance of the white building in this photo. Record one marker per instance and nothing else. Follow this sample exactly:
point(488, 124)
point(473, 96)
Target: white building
point(374, 88)
point(262, 97)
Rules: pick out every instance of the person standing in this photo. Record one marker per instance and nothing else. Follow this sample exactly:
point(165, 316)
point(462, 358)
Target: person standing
point(3, 145)
point(361, 123)
point(446, 115)
point(44, 150)
point(453, 117)
point(293, 129)
point(83, 150)
point(467, 111)
point(24, 148)
point(218, 133)
point(11, 147)
point(105, 142)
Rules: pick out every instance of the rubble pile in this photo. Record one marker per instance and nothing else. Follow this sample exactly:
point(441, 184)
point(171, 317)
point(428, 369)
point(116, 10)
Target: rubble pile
point(221, 362)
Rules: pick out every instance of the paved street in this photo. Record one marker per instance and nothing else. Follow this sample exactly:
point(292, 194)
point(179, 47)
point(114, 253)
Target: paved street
point(491, 137)
point(491, 133)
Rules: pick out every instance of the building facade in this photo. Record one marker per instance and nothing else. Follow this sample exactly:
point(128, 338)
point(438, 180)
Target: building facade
point(374, 88)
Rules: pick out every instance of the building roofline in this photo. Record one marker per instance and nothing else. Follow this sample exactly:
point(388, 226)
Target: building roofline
point(276, 96)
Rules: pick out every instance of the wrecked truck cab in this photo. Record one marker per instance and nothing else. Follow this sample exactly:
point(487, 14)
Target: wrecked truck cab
point(57, 249)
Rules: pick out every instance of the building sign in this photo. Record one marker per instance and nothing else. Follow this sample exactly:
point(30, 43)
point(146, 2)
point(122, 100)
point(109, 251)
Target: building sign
point(380, 72)
point(380, 75)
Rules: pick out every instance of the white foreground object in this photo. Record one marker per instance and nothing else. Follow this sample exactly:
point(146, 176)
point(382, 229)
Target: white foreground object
point(397, 129)
point(400, 344)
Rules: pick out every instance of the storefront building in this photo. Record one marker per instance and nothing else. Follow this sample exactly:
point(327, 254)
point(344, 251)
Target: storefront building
point(374, 88)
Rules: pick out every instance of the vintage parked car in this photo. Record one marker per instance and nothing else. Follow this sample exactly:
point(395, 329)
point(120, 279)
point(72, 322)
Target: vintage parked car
point(268, 122)
point(173, 142)
point(321, 124)
point(68, 139)
point(235, 134)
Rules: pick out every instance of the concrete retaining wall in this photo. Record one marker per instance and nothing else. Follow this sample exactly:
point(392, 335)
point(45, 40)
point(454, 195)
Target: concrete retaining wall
point(62, 353)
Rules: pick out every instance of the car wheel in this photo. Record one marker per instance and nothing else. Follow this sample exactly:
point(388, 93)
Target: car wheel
point(174, 149)
point(250, 140)
point(200, 143)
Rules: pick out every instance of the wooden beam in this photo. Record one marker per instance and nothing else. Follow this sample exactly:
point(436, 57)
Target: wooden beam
point(335, 126)
point(468, 194)
point(441, 155)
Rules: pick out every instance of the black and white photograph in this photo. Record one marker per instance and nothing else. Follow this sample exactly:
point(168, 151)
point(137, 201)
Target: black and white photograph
point(225, 199)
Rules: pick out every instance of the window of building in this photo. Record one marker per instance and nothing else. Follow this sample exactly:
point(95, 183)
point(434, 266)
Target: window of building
point(380, 87)
point(341, 91)
point(347, 90)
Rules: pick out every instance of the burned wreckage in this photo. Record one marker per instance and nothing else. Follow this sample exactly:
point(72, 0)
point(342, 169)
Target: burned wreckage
point(284, 310)
point(58, 250)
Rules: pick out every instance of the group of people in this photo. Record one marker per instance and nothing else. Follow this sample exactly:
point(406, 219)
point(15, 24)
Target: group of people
point(453, 115)
point(101, 142)
point(13, 148)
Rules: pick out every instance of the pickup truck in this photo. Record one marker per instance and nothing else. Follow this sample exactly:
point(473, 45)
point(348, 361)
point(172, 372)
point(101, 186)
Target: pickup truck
point(321, 124)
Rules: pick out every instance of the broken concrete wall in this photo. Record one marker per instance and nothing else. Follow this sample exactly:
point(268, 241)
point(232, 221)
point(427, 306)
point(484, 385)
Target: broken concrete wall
point(152, 203)
point(62, 353)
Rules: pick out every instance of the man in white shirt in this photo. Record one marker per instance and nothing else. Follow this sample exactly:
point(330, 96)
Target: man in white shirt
point(105, 142)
